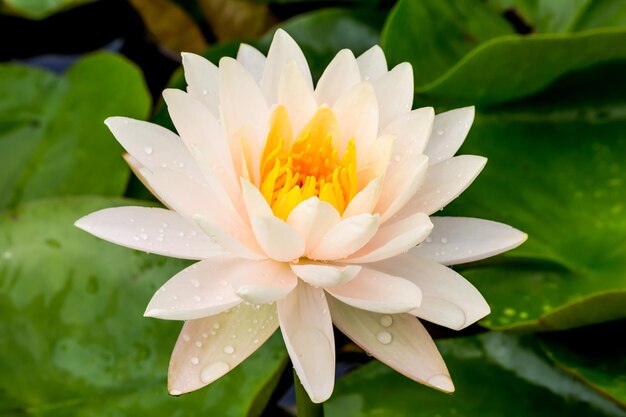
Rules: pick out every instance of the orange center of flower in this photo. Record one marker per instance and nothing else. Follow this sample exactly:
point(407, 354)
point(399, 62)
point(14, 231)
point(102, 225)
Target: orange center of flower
point(295, 170)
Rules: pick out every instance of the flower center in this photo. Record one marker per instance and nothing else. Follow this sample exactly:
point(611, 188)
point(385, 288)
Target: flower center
point(295, 170)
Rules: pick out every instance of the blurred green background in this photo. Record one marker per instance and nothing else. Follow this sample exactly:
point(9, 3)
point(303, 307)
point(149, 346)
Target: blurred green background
point(548, 78)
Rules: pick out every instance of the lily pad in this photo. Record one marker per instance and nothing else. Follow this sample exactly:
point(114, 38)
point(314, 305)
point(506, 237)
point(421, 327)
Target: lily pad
point(38, 9)
point(495, 375)
point(556, 172)
point(72, 337)
point(593, 355)
point(53, 141)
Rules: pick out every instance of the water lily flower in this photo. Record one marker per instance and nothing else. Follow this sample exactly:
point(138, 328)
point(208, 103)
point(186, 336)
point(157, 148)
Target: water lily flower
point(305, 207)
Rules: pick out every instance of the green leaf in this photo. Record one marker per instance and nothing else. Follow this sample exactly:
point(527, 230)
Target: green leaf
point(72, 335)
point(592, 355)
point(547, 16)
point(556, 172)
point(433, 35)
point(38, 9)
point(495, 375)
point(53, 141)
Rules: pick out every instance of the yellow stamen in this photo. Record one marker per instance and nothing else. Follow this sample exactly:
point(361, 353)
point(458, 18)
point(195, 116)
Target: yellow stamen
point(295, 170)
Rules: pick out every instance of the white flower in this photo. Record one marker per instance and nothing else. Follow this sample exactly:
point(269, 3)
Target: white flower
point(303, 207)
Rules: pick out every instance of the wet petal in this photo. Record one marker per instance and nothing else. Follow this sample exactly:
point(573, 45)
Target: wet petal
point(308, 332)
point(325, 275)
point(412, 131)
point(449, 132)
point(394, 91)
point(457, 240)
point(339, 76)
point(401, 185)
point(206, 349)
point(252, 59)
point(357, 110)
point(313, 219)
point(365, 200)
point(372, 63)
point(399, 341)
point(296, 94)
point(379, 292)
point(346, 237)
point(202, 78)
point(154, 230)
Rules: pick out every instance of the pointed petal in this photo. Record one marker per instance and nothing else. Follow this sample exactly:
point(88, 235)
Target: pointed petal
point(444, 182)
point(282, 50)
point(296, 94)
point(206, 349)
point(365, 200)
point(399, 341)
point(325, 275)
point(313, 219)
point(278, 239)
point(401, 184)
point(378, 292)
point(202, 79)
point(449, 132)
point(394, 91)
point(203, 289)
point(308, 332)
point(372, 63)
point(373, 163)
point(412, 131)
point(357, 112)
point(203, 136)
point(153, 146)
point(236, 245)
point(448, 299)
point(394, 238)
point(457, 240)
point(346, 237)
point(252, 59)
point(339, 76)
point(153, 230)
point(263, 282)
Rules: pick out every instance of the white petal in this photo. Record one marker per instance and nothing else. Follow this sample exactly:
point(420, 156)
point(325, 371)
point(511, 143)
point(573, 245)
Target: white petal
point(203, 289)
point(245, 114)
point(394, 238)
point(339, 76)
point(394, 91)
point(282, 50)
point(401, 184)
point(365, 200)
point(399, 341)
point(448, 299)
point(373, 163)
point(444, 182)
point(263, 282)
point(325, 275)
point(378, 292)
point(202, 79)
point(457, 240)
point(357, 112)
point(449, 132)
point(153, 146)
point(278, 239)
point(233, 244)
point(153, 230)
point(346, 237)
point(313, 219)
point(296, 94)
point(252, 59)
point(412, 131)
point(308, 332)
point(203, 136)
point(206, 349)
point(372, 63)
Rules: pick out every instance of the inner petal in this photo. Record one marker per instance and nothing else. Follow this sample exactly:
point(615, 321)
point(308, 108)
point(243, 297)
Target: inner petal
point(309, 165)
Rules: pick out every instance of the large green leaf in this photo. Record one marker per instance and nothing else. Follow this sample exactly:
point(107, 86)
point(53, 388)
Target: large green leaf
point(53, 141)
point(433, 35)
point(73, 341)
point(495, 375)
point(603, 13)
point(556, 172)
point(38, 9)
point(546, 15)
point(594, 355)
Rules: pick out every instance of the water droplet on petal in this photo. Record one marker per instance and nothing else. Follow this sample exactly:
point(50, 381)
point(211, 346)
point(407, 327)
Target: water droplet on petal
point(384, 337)
point(213, 371)
point(229, 350)
point(199, 343)
point(444, 240)
point(148, 150)
point(143, 236)
point(386, 321)
point(195, 360)
point(194, 282)
point(440, 132)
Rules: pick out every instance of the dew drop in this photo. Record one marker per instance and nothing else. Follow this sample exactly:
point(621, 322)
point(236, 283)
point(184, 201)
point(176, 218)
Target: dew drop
point(186, 338)
point(148, 150)
point(229, 350)
point(444, 240)
point(216, 326)
point(194, 282)
point(386, 321)
point(440, 132)
point(213, 371)
point(199, 343)
point(205, 92)
point(143, 236)
point(384, 337)
point(195, 360)
point(181, 234)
